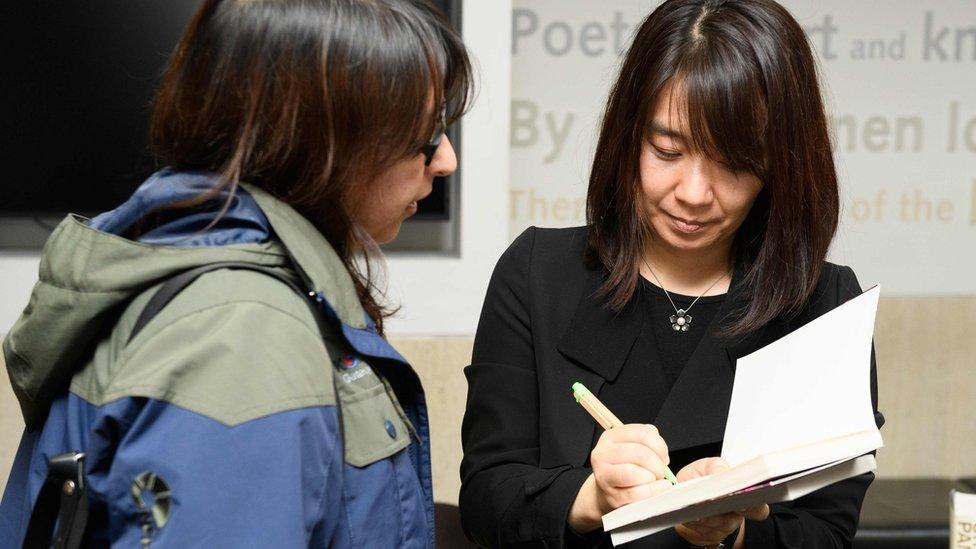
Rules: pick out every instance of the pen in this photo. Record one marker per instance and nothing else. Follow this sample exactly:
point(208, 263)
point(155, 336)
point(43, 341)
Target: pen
point(605, 417)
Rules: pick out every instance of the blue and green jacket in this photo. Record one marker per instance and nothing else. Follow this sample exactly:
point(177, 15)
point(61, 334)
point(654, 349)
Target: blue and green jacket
point(231, 419)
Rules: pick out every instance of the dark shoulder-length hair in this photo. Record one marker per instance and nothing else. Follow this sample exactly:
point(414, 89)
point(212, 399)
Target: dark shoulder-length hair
point(310, 99)
point(753, 101)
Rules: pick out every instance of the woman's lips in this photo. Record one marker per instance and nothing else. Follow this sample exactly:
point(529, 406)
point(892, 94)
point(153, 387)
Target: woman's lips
point(412, 207)
point(686, 226)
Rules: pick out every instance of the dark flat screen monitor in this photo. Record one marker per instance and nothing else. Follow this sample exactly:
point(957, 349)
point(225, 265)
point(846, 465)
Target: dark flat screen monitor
point(79, 77)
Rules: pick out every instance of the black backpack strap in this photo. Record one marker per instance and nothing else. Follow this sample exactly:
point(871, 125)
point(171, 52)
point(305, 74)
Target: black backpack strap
point(175, 285)
point(63, 499)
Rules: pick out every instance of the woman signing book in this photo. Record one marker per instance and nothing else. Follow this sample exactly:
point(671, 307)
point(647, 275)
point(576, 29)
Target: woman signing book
point(711, 205)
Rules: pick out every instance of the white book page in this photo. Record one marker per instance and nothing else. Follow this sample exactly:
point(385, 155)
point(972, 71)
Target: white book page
point(810, 385)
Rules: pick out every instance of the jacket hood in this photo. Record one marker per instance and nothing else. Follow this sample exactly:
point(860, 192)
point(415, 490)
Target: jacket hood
point(88, 274)
point(241, 222)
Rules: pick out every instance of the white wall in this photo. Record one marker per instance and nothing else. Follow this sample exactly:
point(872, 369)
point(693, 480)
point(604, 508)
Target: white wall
point(439, 296)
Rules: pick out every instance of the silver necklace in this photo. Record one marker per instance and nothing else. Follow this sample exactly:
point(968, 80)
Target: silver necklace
point(680, 320)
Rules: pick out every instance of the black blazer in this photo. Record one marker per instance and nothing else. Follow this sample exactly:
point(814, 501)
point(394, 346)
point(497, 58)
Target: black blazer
point(526, 441)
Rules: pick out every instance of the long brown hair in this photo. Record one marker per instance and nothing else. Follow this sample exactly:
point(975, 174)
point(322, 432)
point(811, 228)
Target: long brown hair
point(310, 100)
point(753, 100)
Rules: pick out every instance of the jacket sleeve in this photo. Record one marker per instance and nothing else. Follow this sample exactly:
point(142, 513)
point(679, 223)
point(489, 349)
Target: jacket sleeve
point(828, 517)
point(507, 499)
point(211, 470)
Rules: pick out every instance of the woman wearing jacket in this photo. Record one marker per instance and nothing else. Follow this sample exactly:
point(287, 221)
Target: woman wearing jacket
point(297, 136)
point(711, 205)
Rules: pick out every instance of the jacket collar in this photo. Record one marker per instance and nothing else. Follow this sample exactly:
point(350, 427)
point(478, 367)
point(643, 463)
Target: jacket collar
point(324, 273)
point(599, 340)
point(317, 262)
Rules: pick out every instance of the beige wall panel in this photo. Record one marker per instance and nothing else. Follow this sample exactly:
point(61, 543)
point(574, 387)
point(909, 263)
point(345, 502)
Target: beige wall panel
point(439, 362)
point(926, 350)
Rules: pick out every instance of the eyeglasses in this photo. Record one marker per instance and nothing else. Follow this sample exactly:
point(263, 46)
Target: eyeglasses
point(430, 148)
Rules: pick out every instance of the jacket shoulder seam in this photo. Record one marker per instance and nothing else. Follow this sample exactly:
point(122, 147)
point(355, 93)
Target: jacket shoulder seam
point(195, 405)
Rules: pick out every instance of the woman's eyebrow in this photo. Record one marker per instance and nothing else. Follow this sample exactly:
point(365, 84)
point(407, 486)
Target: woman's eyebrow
point(658, 128)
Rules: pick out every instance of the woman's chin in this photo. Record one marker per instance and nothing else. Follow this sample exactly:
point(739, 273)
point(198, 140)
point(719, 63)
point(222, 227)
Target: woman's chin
point(387, 234)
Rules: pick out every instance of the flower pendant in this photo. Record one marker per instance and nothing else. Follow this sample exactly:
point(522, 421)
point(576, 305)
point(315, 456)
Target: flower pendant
point(680, 321)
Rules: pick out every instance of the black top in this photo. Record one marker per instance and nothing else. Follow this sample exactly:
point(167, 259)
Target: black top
point(659, 354)
point(526, 441)
point(674, 346)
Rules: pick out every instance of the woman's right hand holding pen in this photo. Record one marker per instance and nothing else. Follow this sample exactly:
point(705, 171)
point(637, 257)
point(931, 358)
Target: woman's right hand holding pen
point(628, 465)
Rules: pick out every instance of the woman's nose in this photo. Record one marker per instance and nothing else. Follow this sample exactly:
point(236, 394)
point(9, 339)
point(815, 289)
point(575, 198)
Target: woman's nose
point(694, 187)
point(444, 161)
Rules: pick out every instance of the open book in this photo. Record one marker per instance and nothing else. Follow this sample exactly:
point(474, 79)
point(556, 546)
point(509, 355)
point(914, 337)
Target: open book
point(800, 419)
